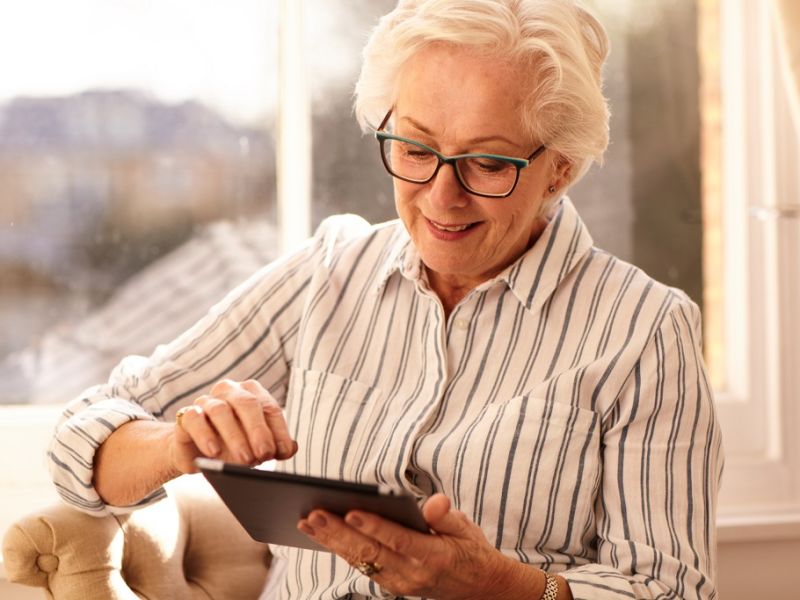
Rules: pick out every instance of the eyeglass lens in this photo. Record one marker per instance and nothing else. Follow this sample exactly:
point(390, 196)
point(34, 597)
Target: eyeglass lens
point(478, 174)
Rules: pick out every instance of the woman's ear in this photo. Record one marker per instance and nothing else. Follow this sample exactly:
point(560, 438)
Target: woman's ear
point(562, 173)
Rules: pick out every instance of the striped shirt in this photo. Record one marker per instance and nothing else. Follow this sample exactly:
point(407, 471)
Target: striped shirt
point(562, 405)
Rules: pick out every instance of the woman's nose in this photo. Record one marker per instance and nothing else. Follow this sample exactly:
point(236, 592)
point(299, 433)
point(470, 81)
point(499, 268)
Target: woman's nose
point(446, 191)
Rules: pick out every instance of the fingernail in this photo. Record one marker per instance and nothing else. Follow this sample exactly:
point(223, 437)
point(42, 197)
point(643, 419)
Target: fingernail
point(282, 449)
point(213, 449)
point(245, 457)
point(264, 452)
point(295, 447)
point(354, 521)
point(305, 528)
point(317, 520)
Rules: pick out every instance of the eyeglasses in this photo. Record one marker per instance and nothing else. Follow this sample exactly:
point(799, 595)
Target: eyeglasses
point(487, 175)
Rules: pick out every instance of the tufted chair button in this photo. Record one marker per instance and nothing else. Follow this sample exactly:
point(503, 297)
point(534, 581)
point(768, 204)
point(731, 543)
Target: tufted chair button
point(47, 562)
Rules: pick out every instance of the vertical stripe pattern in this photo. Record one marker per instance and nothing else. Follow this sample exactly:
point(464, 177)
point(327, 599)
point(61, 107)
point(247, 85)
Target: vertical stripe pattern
point(563, 405)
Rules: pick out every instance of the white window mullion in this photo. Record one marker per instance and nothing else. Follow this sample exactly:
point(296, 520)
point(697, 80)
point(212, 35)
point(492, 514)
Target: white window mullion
point(294, 129)
point(787, 219)
point(734, 83)
point(757, 409)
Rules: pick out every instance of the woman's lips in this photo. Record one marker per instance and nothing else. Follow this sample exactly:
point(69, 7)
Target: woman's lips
point(450, 232)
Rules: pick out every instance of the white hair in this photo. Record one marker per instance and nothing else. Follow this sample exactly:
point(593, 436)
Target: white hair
point(557, 42)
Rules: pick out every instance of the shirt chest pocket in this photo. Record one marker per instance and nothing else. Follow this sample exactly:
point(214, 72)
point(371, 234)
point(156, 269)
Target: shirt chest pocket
point(332, 418)
point(537, 464)
point(556, 476)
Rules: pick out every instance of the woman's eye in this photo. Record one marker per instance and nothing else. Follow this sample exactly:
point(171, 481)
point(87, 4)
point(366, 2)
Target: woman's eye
point(416, 153)
point(488, 165)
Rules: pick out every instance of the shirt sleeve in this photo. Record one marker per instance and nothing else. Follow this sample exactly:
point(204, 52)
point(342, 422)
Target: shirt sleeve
point(662, 457)
point(250, 334)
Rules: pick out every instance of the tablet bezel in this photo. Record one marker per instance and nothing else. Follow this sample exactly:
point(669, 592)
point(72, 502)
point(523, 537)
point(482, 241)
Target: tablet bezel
point(269, 504)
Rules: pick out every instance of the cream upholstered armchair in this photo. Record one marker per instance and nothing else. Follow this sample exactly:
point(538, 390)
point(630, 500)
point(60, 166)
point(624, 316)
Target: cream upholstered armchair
point(187, 546)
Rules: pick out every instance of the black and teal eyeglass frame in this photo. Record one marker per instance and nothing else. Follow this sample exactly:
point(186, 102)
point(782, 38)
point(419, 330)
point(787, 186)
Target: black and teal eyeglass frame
point(518, 163)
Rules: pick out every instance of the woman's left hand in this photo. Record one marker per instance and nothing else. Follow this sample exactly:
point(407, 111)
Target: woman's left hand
point(455, 561)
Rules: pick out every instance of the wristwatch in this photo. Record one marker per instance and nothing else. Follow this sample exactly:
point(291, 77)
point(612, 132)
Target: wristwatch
point(550, 588)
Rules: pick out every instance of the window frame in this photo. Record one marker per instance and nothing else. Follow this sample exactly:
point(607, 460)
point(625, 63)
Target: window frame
point(29, 477)
point(760, 494)
point(293, 152)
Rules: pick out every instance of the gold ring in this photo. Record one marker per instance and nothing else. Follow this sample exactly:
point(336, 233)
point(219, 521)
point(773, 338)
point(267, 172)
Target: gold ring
point(180, 413)
point(368, 568)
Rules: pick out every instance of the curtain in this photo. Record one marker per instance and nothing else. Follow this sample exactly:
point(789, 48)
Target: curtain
point(787, 13)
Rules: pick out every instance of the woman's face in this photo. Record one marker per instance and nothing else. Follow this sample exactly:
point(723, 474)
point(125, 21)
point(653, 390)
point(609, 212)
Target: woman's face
point(460, 103)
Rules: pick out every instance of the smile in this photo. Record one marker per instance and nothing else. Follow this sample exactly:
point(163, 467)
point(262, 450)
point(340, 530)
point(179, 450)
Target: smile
point(453, 228)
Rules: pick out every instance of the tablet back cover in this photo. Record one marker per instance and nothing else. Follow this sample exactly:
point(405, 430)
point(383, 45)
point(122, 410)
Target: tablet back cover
point(269, 505)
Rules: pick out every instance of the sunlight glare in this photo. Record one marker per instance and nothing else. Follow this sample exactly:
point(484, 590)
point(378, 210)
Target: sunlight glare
point(221, 53)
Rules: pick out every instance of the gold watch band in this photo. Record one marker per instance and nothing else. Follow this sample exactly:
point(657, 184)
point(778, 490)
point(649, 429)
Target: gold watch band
point(550, 588)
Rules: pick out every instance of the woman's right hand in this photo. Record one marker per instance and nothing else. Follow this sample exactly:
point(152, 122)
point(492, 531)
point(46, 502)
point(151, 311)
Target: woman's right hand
point(237, 422)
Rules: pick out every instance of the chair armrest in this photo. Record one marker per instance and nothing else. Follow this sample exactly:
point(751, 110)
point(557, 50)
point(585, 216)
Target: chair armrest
point(186, 546)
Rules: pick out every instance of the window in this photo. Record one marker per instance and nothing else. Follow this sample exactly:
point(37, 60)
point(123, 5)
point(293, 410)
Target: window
point(759, 256)
point(644, 204)
point(347, 172)
point(217, 168)
point(136, 149)
point(132, 129)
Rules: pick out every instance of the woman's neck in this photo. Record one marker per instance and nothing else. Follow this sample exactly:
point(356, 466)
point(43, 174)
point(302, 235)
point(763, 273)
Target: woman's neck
point(450, 293)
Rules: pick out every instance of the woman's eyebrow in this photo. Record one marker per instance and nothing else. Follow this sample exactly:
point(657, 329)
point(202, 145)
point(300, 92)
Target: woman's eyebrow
point(478, 140)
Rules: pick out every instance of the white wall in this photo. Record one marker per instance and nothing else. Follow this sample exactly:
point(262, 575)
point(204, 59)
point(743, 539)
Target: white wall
point(759, 570)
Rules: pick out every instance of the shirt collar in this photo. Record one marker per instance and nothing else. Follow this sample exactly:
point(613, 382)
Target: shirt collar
point(400, 257)
point(532, 278)
point(563, 244)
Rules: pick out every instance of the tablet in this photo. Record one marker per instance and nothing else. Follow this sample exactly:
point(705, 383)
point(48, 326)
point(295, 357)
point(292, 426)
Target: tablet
point(270, 504)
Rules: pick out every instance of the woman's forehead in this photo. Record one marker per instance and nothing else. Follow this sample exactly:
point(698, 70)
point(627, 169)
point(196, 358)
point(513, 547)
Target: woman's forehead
point(444, 90)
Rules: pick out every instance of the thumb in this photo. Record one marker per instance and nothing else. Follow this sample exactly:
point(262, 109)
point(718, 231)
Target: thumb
point(183, 450)
point(442, 519)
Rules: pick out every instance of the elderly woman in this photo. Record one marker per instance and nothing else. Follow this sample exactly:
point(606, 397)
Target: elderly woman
point(546, 402)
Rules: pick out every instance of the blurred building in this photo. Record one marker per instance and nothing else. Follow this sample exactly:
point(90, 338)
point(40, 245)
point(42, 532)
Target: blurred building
point(96, 185)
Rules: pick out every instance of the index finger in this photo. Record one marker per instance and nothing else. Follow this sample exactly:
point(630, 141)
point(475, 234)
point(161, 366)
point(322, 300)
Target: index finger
point(238, 418)
point(273, 415)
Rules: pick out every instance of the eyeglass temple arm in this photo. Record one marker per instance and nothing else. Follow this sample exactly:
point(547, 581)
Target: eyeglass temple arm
point(385, 119)
point(536, 153)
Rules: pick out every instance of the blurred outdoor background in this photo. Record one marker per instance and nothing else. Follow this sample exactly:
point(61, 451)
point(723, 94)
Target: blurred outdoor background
point(127, 128)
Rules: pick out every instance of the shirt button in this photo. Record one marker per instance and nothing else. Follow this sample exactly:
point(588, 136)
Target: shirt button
point(462, 324)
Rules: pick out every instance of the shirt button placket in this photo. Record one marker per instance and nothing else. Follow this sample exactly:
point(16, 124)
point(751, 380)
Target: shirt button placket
point(462, 324)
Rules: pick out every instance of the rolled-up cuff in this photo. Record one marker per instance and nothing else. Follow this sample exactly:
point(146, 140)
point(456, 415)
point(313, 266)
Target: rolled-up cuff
point(72, 451)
